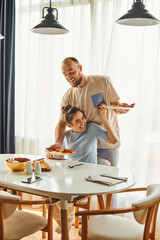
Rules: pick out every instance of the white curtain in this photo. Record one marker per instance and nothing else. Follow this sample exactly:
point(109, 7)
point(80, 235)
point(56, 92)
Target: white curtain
point(39, 82)
point(129, 55)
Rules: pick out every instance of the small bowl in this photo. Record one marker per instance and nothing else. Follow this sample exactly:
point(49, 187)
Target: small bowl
point(17, 164)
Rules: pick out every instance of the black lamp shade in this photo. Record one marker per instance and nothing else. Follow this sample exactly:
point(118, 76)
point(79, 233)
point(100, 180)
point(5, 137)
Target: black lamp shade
point(50, 25)
point(138, 16)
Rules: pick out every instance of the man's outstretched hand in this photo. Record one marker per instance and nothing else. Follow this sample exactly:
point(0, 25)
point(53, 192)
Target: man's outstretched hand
point(125, 105)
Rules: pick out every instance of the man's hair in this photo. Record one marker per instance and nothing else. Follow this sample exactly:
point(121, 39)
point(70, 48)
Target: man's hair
point(71, 59)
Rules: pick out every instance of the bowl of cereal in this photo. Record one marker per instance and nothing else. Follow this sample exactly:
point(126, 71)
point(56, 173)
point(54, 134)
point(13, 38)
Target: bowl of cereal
point(17, 164)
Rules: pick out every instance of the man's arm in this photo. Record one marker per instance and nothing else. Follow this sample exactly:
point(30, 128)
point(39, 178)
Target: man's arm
point(59, 135)
point(60, 132)
point(116, 102)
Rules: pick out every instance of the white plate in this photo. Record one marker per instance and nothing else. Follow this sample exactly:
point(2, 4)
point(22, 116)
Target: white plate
point(58, 153)
point(58, 158)
point(119, 108)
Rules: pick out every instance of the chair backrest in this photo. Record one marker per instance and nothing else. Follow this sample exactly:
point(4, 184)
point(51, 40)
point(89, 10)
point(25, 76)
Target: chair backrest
point(8, 209)
point(152, 196)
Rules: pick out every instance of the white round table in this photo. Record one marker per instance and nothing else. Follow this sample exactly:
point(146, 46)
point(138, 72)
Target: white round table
point(64, 183)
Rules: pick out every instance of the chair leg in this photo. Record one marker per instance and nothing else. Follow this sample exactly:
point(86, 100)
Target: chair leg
point(88, 207)
point(100, 202)
point(76, 218)
point(84, 228)
point(1, 223)
point(9, 191)
point(109, 201)
point(21, 195)
point(50, 222)
point(44, 213)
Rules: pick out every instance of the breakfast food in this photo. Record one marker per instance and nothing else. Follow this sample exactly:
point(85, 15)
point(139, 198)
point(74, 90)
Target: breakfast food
point(44, 165)
point(121, 105)
point(126, 105)
point(17, 164)
point(18, 160)
point(61, 150)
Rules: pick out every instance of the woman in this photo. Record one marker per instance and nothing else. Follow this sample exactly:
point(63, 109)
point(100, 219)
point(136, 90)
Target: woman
point(83, 136)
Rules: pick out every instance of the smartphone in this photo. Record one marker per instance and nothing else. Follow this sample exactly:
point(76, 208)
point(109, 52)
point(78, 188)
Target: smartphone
point(32, 179)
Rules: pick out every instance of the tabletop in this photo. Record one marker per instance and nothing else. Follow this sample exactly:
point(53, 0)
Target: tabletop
point(63, 182)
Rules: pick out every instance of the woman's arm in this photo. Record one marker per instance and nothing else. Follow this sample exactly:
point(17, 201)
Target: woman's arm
point(103, 111)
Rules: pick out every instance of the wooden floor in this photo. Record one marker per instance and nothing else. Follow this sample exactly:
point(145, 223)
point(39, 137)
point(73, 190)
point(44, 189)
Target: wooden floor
point(38, 236)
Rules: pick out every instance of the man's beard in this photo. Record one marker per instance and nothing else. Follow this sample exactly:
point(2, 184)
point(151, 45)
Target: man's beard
point(77, 83)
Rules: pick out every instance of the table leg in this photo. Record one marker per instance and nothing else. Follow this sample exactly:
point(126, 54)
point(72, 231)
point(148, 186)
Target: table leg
point(64, 220)
point(109, 201)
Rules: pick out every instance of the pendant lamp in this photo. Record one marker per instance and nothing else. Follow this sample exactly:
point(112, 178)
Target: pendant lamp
point(138, 16)
point(50, 25)
point(1, 37)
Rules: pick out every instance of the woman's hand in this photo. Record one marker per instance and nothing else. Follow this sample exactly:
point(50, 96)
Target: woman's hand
point(49, 156)
point(58, 157)
point(103, 111)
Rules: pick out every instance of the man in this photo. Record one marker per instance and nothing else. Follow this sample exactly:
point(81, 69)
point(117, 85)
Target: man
point(86, 93)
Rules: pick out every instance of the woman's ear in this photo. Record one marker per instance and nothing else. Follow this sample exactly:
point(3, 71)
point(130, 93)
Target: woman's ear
point(70, 125)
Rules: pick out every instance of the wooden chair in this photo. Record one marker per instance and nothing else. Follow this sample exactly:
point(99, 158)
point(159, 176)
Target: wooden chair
point(106, 225)
point(44, 210)
point(15, 224)
point(84, 204)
